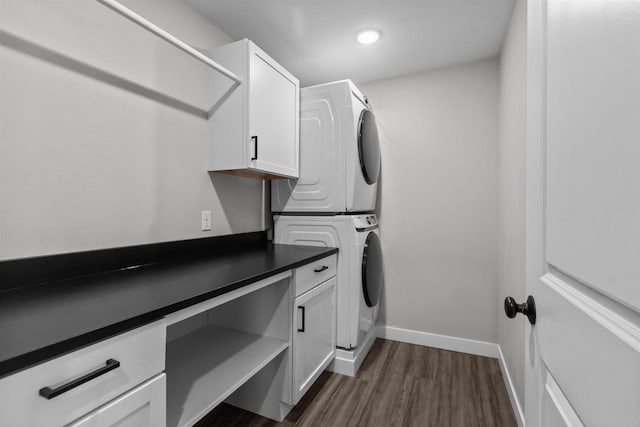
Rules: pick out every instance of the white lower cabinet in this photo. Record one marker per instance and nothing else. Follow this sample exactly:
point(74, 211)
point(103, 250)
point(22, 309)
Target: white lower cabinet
point(144, 406)
point(260, 347)
point(314, 339)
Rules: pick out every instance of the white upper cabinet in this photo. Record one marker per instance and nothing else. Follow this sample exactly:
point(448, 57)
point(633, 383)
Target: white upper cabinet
point(254, 128)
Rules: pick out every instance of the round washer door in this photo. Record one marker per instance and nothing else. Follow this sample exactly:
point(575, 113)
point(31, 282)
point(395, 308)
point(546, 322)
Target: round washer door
point(368, 147)
point(372, 271)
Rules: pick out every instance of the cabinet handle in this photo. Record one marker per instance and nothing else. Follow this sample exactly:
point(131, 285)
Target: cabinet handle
point(303, 316)
point(321, 269)
point(50, 393)
point(254, 140)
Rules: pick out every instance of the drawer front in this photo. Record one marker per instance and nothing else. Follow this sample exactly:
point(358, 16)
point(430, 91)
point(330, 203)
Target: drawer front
point(311, 275)
point(140, 353)
point(144, 406)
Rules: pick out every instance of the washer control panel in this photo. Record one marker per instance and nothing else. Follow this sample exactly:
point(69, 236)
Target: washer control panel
point(365, 221)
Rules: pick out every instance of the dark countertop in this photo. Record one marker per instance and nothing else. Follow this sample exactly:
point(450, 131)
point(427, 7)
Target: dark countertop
point(40, 322)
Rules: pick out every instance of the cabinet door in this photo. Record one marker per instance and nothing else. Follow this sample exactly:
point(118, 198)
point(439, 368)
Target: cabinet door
point(273, 116)
point(144, 406)
point(314, 340)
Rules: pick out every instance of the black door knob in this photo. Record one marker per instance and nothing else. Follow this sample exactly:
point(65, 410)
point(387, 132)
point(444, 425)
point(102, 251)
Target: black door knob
point(528, 308)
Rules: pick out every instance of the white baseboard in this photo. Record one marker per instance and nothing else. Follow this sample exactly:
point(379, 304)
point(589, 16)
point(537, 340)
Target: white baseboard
point(463, 345)
point(348, 362)
point(511, 390)
point(444, 342)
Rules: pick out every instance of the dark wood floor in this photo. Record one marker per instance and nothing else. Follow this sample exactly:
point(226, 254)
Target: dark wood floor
point(398, 385)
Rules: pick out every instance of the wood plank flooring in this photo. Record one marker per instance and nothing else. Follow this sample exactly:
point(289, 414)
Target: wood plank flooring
point(398, 384)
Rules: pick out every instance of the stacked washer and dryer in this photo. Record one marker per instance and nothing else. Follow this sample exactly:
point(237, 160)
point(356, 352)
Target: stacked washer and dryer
point(332, 204)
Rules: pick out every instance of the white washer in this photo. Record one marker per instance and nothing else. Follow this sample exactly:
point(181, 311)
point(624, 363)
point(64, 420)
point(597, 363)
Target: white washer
point(360, 267)
point(339, 154)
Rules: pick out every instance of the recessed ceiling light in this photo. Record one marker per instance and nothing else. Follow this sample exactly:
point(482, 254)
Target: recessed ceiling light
point(368, 36)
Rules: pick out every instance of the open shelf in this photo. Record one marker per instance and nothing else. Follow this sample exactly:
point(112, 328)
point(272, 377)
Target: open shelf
point(207, 365)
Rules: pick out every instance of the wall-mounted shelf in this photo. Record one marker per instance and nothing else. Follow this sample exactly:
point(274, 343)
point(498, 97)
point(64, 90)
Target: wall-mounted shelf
point(170, 38)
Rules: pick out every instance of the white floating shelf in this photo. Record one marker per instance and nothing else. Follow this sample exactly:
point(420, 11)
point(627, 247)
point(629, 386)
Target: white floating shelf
point(207, 365)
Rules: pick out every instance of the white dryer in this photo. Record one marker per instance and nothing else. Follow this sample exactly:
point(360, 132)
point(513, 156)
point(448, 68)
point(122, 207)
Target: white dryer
point(339, 154)
point(360, 271)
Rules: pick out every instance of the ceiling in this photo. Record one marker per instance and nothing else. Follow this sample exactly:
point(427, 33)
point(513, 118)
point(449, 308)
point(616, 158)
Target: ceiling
point(316, 39)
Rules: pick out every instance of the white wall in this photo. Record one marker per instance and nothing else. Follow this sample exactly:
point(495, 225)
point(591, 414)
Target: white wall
point(512, 166)
point(439, 198)
point(87, 163)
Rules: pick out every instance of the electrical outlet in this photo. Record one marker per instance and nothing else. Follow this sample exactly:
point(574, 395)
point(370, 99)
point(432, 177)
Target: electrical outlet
point(206, 220)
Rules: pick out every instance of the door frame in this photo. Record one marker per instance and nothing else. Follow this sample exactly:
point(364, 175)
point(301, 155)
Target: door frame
point(535, 189)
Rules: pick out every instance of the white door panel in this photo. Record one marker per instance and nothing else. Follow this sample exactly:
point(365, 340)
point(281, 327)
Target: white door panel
point(583, 213)
point(592, 353)
point(556, 408)
point(314, 340)
point(273, 100)
point(593, 149)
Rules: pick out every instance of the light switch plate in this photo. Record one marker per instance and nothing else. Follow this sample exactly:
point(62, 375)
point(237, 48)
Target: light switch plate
point(206, 220)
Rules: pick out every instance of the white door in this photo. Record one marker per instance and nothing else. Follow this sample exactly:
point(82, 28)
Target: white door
point(273, 115)
point(314, 340)
point(583, 213)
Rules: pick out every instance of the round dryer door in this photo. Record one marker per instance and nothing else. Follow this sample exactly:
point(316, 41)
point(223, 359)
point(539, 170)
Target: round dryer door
point(369, 147)
point(372, 271)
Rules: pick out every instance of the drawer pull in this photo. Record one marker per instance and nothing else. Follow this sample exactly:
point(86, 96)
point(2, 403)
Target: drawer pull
point(50, 393)
point(303, 316)
point(321, 269)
